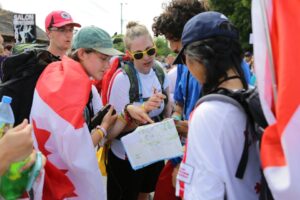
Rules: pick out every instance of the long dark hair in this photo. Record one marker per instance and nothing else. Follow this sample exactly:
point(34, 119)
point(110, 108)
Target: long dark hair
point(218, 55)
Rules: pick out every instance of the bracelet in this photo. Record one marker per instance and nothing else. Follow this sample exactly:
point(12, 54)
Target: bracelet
point(176, 117)
point(143, 107)
point(122, 118)
point(127, 116)
point(99, 132)
point(102, 129)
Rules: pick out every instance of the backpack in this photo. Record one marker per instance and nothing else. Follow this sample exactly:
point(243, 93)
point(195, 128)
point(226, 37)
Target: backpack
point(128, 68)
point(103, 85)
point(20, 74)
point(247, 101)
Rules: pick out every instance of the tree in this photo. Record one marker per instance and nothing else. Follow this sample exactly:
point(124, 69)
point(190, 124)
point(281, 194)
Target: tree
point(118, 42)
point(239, 13)
point(162, 46)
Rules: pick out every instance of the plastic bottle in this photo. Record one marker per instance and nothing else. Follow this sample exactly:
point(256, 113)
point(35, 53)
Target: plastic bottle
point(13, 182)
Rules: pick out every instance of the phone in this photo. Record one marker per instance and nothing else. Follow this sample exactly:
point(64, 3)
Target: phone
point(97, 119)
point(35, 171)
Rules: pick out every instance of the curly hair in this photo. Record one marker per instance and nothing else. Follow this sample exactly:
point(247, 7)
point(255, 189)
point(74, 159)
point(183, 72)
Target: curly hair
point(171, 22)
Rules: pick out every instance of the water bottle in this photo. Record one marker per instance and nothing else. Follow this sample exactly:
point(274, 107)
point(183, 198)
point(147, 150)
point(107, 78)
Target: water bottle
point(13, 182)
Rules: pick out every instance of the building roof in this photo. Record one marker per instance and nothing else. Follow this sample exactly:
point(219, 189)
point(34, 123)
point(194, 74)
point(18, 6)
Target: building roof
point(6, 26)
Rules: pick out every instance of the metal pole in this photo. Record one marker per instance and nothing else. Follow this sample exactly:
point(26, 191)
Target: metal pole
point(121, 18)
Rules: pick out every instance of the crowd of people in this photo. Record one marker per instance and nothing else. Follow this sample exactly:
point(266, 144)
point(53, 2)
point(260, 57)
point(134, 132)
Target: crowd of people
point(208, 58)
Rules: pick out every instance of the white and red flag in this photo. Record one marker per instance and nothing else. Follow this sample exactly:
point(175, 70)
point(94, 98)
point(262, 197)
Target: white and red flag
point(57, 115)
point(276, 27)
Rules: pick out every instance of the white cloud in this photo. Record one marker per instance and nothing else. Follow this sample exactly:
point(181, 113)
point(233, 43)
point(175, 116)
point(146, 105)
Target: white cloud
point(105, 14)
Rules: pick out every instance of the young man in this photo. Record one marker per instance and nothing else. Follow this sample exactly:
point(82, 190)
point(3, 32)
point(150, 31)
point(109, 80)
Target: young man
point(59, 27)
point(187, 90)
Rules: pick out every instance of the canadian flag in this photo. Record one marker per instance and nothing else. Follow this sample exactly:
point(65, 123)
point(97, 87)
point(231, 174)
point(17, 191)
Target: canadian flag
point(61, 134)
point(276, 27)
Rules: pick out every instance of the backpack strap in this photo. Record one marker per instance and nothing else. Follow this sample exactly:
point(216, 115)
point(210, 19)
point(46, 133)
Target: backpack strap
point(244, 158)
point(161, 78)
point(134, 94)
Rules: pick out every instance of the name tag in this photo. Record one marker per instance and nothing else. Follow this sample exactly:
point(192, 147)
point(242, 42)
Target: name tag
point(185, 173)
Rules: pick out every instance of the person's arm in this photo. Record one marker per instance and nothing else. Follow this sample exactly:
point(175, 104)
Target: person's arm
point(15, 145)
point(138, 113)
point(168, 108)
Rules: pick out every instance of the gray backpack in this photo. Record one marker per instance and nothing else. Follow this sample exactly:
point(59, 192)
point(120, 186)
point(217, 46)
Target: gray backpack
point(246, 101)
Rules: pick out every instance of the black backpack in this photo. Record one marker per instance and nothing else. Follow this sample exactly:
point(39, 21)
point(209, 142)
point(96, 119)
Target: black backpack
point(19, 76)
point(247, 101)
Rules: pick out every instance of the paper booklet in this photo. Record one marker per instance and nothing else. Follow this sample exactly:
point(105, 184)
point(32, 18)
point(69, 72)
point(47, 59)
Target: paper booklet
point(151, 143)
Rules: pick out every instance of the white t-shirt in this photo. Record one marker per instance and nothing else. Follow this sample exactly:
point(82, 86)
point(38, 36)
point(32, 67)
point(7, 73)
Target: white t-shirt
point(172, 76)
point(119, 97)
point(214, 148)
point(96, 100)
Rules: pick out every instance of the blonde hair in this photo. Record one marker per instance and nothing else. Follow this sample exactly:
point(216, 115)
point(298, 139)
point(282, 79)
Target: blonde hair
point(133, 31)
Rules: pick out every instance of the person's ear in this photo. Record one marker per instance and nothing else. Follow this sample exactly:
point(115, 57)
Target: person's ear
point(81, 53)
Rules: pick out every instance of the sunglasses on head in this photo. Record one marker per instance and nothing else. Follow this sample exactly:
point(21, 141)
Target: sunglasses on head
point(140, 54)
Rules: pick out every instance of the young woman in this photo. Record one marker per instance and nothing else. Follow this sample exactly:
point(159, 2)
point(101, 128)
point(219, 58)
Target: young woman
point(123, 182)
point(60, 127)
point(216, 129)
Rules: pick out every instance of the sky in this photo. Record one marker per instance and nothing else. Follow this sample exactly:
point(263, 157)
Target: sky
point(105, 14)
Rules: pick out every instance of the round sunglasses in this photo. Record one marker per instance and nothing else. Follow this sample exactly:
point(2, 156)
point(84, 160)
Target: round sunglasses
point(140, 54)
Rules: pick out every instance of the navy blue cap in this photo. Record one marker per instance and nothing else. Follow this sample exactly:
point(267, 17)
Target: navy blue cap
point(202, 26)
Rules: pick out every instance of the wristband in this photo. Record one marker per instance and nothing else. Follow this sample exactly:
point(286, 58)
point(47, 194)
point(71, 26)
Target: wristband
point(100, 128)
point(143, 107)
point(176, 117)
point(127, 116)
point(122, 118)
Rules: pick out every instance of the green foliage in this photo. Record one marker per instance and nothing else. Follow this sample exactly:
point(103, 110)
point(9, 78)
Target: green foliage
point(118, 42)
point(239, 13)
point(162, 46)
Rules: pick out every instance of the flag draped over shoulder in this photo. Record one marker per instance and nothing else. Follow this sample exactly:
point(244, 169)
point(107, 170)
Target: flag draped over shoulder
point(279, 87)
point(62, 135)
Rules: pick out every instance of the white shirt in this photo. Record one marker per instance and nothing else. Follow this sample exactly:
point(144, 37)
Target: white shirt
point(119, 97)
point(172, 76)
point(214, 148)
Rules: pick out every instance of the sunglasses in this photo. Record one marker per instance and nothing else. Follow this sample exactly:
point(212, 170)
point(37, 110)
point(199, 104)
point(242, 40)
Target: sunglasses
point(140, 54)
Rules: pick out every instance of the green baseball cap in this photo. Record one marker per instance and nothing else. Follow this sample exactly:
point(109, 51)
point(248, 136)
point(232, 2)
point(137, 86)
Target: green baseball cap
point(94, 38)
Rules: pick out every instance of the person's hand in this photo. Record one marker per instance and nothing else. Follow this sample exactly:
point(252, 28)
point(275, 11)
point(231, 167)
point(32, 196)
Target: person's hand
point(32, 159)
point(182, 127)
point(18, 142)
point(154, 101)
point(109, 119)
point(138, 113)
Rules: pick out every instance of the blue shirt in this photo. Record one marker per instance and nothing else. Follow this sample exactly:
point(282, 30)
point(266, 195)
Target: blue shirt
point(194, 88)
point(180, 94)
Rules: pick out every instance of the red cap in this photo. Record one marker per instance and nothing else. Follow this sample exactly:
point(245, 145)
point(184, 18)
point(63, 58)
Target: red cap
point(58, 19)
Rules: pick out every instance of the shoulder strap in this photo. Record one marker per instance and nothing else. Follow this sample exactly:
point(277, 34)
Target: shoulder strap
point(159, 73)
point(161, 78)
point(134, 85)
point(244, 158)
point(220, 97)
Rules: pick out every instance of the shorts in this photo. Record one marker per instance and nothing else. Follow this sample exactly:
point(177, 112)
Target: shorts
point(124, 183)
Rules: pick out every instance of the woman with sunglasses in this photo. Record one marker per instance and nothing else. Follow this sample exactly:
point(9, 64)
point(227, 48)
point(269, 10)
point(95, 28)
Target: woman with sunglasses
point(123, 182)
